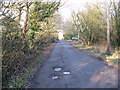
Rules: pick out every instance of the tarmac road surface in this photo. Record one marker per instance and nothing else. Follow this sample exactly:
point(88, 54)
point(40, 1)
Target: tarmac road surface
point(84, 70)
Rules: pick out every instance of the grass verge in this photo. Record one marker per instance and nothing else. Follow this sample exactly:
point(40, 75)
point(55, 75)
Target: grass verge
point(111, 60)
point(21, 79)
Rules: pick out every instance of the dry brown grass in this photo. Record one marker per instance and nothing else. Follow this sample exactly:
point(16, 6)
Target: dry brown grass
point(98, 50)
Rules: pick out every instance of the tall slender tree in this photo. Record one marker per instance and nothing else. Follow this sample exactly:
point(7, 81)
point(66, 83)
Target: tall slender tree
point(108, 29)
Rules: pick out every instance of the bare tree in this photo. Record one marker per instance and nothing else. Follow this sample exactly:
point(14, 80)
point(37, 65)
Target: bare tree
point(75, 18)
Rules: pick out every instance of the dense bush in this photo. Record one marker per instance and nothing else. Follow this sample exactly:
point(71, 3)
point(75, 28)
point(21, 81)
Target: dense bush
point(20, 44)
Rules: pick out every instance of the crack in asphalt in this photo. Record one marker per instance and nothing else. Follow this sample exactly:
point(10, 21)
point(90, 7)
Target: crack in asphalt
point(85, 71)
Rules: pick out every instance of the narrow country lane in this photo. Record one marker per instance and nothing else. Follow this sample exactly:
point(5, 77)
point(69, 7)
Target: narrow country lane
point(85, 71)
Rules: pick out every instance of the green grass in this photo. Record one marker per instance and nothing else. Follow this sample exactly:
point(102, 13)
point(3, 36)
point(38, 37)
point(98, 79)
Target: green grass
point(39, 59)
point(115, 61)
point(20, 81)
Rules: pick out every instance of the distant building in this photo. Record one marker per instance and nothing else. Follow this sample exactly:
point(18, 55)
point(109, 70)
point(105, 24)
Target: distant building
point(60, 35)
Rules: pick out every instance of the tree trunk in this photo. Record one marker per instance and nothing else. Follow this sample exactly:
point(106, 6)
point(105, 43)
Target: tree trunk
point(25, 29)
point(108, 50)
point(19, 17)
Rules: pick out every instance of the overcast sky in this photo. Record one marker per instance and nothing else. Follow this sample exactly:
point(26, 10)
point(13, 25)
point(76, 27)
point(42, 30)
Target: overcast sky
point(73, 5)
